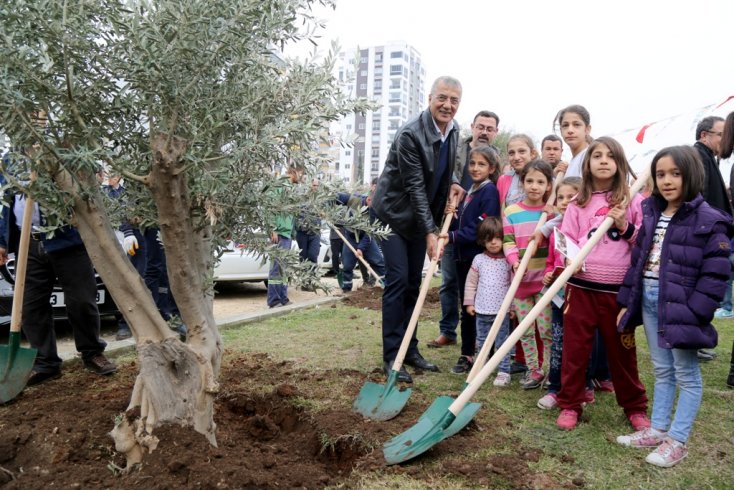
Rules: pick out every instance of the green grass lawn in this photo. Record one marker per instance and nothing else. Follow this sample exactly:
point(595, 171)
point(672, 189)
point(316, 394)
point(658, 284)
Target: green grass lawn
point(346, 337)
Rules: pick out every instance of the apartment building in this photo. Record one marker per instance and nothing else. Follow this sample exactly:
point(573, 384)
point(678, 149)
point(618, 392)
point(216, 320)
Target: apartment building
point(393, 75)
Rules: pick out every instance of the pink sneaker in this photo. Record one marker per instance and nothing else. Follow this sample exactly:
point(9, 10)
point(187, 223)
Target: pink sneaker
point(668, 454)
point(548, 402)
point(639, 420)
point(643, 438)
point(567, 420)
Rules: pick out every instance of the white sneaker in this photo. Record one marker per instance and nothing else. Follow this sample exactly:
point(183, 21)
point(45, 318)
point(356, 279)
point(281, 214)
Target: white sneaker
point(548, 402)
point(668, 454)
point(502, 379)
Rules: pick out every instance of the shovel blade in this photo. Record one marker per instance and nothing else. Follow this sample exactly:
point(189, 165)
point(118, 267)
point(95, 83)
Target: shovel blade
point(381, 402)
point(16, 364)
point(436, 412)
point(418, 439)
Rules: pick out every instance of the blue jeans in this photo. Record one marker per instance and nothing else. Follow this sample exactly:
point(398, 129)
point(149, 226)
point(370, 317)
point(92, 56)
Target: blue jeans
point(277, 284)
point(371, 254)
point(449, 294)
point(726, 302)
point(484, 324)
point(672, 367)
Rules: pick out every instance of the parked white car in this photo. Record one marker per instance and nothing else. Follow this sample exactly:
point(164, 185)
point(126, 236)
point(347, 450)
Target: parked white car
point(237, 264)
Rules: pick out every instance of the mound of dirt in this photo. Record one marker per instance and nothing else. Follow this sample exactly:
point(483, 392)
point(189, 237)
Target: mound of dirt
point(56, 435)
point(371, 298)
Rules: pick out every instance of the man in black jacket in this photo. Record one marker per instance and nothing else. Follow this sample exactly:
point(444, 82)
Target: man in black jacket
point(708, 143)
point(411, 197)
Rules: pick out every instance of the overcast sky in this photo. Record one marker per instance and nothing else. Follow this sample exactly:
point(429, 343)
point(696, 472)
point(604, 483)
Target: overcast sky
point(628, 62)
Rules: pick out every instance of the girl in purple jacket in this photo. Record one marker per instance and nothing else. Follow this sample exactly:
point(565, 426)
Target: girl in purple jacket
point(678, 275)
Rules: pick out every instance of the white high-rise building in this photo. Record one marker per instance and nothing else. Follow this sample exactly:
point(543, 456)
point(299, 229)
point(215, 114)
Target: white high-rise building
point(392, 75)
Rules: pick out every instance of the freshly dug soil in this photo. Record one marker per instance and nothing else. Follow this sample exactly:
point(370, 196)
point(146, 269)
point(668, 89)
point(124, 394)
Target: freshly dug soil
point(371, 298)
point(55, 435)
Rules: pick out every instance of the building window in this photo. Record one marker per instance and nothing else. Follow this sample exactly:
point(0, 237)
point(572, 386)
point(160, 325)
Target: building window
point(378, 57)
point(363, 59)
point(394, 83)
point(361, 125)
point(375, 152)
point(396, 54)
point(348, 153)
point(363, 73)
point(347, 166)
point(395, 97)
point(396, 69)
point(363, 86)
point(336, 165)
point(375, 167)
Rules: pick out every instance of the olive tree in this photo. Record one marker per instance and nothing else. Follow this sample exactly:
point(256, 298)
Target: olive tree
point(189, 101)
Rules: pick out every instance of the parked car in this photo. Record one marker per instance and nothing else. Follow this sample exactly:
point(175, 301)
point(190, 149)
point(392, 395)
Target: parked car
point(241, 265)
point(107, 307)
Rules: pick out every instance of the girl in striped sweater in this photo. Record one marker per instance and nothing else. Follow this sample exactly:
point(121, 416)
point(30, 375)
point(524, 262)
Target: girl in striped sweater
point(520, 221)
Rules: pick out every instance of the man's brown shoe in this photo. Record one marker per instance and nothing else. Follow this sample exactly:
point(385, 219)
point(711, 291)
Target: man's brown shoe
point(441, 341)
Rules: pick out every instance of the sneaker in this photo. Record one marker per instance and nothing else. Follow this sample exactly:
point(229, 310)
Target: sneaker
point(463, 365)
point(546, 383)
point(533, 379)
point(668, 454)
point(722, 313)
point(730, 378)
point(502, 379)
point(123, 333)
point(643, 438)
point(639, 420)
point(705, 356)
point(548, 402)
point(567, 420)
point(605, 385)
point(99, 364)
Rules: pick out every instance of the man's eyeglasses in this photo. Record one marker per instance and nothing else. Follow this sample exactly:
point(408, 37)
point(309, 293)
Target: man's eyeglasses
point(481, 128)
point(716, 133)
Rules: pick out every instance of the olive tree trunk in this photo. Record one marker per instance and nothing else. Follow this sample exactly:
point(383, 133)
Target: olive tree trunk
point(177, 381)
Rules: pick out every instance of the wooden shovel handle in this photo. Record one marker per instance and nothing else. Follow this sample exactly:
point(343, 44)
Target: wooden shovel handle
point(21, 261)
point(361, 259)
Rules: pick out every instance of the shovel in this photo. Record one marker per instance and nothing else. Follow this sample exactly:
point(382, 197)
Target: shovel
point(426, 433)
point(361, 259)
point(16, 362)
point(380, 402)
point(507, 301)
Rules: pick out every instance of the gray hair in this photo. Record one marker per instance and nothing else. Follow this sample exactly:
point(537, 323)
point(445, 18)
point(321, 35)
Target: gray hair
point(446, 80)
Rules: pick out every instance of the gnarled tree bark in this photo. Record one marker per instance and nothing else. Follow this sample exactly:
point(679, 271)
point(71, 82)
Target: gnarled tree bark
point(177, 382)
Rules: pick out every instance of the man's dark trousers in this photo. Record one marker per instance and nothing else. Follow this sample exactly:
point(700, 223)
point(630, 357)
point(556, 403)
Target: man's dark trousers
point(76, 277)
point(404, 266)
